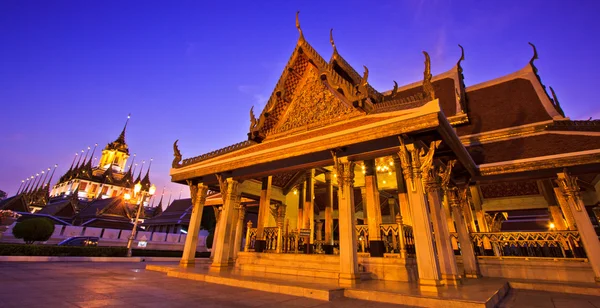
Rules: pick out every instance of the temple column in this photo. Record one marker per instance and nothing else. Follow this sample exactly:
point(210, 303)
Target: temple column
point(301, 206)
point(427, 263)
point(278, 213)
point(403, 204)
point(263, 210)
point(198, 194)
point(239, 230)
point(328, 210)
point(392, 206)
point(555, 212)
point(217, 211)
point(479, 213)
point(433, 187)
point(348, 257)
point(310, 205)
point(319, 228)
point(456, 202)
point(234, 221)
point(363, 197)
point(569, 189)
point(373, 205)
point(229, 191)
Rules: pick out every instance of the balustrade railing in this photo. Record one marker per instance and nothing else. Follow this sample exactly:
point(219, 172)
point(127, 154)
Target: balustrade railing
point(396, 242)
point(270, 234)
point(555, 244)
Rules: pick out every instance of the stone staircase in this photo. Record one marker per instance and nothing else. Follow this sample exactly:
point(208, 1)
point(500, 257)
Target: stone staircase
point(318, 266)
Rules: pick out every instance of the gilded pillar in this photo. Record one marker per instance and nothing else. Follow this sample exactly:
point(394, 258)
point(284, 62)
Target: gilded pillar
point(403, 204)
point(198, 194)
point(224, 244)
point(319, 228)
point(301, 205)
point(278, 213)
point(239, 229)
point(263, 211)
point(427, 263)
point(373, 206)
point(433, 181)
point(457, 199)
point(310, 205)
point(569, 189)
point(553, 208)
point(328, 209)
point(363, 197)
point(392, 206)
point(348, 257)
point(215, 233)
point(479, 213)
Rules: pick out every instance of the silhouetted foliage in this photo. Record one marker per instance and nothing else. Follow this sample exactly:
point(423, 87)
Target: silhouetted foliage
point(34, 229)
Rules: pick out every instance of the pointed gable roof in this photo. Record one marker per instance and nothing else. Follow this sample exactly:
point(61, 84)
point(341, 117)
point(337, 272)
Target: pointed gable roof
point(306, 68)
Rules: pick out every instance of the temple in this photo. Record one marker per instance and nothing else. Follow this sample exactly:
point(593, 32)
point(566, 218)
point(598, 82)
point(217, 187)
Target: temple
point(432, 182)
point(89, 193)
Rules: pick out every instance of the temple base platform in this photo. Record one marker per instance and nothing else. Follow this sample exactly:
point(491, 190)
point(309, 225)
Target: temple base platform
point(486, 292)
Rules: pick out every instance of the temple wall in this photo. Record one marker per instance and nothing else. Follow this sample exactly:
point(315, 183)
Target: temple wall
point(114, 237)
point(389, 268)
point(573, 270)
point(514, 203)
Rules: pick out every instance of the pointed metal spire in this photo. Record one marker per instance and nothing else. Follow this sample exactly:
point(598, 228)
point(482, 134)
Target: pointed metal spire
point(139, 178)
point(121, 138)
point(45, 177)
point(86, 154)
point(27, 184)
point(161, 197)
point(169, 203)
point(50, 180)
point(79, 160)
point(94, 151)
point(132, 161)
point(21, 186)
point(35, 181)
point(73, 162)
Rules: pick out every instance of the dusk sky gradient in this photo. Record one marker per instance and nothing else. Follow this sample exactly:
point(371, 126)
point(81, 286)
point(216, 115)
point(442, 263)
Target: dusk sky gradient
point(71, 71)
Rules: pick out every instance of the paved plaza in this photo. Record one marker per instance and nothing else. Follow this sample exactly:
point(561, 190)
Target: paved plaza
point(88, 284)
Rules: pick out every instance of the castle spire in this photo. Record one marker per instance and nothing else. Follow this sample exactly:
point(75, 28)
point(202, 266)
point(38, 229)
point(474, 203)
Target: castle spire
point(35, 180)
point(45, 177)
point(27, 183)
point(94, 151)
point(121, 138)
point(132, 161)
point(73, 162)
point(53, 170)
point(20, 186)
point(139, 178)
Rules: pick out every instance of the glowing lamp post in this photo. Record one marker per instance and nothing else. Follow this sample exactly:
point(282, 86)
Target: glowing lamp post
point(136, 189)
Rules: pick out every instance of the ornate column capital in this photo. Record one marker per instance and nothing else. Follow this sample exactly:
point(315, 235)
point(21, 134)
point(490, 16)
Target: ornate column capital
point(218, 211)
point(569, 188)
point(278, 212)
point(198, 192)
point(456, 196)
point(405, 161)
point(344, 169)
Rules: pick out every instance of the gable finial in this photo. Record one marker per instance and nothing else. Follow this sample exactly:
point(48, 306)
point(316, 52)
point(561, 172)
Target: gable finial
point(177, 155)
point(298, 25)
point(462, 57)
point(556, 103)
point(395, 89)
point(331, 40)
point(534, 57)
point(427, 86)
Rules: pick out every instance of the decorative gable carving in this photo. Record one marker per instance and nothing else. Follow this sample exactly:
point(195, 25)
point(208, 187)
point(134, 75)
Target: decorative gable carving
point(313, 105)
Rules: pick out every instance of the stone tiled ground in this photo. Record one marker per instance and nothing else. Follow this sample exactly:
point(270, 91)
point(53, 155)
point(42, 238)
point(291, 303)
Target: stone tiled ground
point(88, 284)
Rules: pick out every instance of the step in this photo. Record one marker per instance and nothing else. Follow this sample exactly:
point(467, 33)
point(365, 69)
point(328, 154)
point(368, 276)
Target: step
point(323, 290)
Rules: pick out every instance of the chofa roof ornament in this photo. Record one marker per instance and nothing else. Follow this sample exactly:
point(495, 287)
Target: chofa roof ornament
point(428, 91)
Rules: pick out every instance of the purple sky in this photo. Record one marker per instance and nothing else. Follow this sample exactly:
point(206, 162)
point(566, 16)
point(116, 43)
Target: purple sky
point(71, 71)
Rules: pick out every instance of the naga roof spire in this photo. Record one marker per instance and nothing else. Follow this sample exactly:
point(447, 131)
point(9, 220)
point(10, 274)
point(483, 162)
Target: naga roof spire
point(427, 86)
point(301, 38)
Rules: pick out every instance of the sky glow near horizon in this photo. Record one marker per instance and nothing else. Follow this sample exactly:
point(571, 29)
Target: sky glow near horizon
point(71, 71)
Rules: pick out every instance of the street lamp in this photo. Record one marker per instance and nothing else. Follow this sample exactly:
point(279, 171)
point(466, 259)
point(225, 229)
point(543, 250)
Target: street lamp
point(136, 190)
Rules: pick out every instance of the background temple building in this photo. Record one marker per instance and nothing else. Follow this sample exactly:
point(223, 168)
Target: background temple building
point(89, 193)
point(421, 182)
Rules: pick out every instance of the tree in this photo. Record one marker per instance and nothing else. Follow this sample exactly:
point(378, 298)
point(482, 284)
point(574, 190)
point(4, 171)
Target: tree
point(34, 229)
point(2, 195)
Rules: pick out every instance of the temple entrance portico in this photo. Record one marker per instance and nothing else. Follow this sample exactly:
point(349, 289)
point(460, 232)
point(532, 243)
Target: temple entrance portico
point(425, 183)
